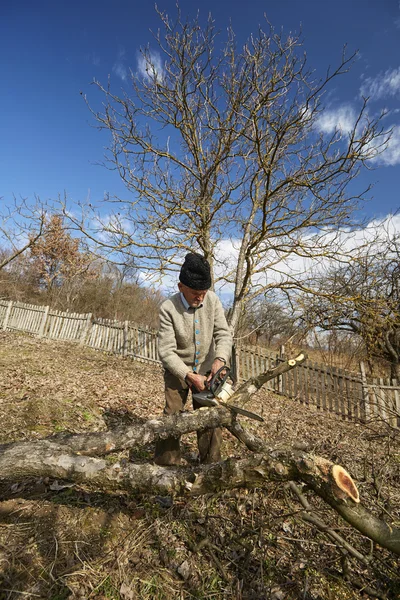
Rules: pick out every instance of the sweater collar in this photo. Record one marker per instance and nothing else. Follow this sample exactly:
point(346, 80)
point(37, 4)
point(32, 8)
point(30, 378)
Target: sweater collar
point(186, 303)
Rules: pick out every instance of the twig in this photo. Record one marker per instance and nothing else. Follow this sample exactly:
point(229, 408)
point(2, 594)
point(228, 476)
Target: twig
point(313, 520)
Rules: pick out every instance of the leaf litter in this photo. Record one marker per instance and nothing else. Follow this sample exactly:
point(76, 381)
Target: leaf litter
point(62, 541)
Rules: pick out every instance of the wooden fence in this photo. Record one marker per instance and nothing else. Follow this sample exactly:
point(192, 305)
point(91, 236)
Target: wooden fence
point(353, 396)
point(101, 334)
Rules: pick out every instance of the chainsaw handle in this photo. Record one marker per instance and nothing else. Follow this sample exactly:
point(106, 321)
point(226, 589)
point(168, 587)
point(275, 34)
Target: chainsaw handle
point(218, 380)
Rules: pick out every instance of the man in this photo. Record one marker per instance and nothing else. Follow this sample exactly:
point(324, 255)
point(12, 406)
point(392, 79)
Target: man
point(194, 338)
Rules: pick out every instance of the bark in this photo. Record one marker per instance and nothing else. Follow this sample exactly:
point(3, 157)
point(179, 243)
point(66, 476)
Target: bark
point(319, 474)
point(72, 457)
point(395, 370)
point(247, 389)
point(157, 427)
point(100, 443)
point(285, 465)
point(17, 253)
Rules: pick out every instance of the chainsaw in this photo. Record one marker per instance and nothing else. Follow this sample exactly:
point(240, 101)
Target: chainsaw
point(219, 390)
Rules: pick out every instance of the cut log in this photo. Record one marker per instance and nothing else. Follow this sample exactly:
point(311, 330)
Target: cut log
point(73, 458)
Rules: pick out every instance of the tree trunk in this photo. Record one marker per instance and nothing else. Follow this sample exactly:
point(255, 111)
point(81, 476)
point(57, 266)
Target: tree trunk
point(73, 457)
point(395, 370)
point(49, 459)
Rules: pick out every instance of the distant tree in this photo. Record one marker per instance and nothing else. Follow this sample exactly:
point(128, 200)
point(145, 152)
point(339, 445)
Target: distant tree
point(220, 148)
point(363, 297)
point(265, 322)
point(59, 261)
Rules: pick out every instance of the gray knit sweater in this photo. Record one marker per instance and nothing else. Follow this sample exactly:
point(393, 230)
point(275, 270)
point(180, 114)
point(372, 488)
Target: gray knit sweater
point(192, 338)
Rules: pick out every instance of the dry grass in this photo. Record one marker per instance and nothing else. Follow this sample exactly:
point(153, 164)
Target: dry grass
point(75, 543)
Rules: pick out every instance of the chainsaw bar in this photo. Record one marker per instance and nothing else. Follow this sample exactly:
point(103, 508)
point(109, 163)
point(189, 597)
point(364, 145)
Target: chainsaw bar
point(243, 411)
point(209, 401)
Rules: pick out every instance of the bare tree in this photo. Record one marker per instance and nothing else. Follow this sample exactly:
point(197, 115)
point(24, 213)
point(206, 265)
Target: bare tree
point(266, 322)
point(21, 225)
point(363, 297)
point(219, 147)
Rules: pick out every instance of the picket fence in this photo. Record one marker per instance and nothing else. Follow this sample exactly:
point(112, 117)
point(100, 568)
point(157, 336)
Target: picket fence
point(353, 396)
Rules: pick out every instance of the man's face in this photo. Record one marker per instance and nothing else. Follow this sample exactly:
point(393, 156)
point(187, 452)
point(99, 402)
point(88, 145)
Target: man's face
point(193, 297)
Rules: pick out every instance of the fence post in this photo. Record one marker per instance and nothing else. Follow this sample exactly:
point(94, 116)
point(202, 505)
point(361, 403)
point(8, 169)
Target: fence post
point(280, 377)
point(86, 329)
point(126, 333)
point(235, 361)
point(365, 393)
point(8, 312)
point(43, 323)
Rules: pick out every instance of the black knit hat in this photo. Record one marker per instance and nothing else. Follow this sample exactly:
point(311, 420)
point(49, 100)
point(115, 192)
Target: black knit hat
point(195, 272)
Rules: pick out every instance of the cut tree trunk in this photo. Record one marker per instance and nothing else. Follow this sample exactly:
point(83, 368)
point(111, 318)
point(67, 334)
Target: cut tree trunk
point(74, 458)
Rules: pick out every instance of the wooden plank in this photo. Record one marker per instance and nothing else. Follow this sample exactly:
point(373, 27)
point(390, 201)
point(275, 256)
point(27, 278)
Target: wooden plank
point(342, 399)
point(373, 398)
point(96, 332)
point(391, 404)
point(396, 395)
point(295, 384)
point(349, 400)
point(71, 326)
point(300, 386)
point(322, 388)
point(76, 331)
point(247, 367)
point(336, 405)
point(278, 380)
point(58, 323)
point(21, 318)
point(365, 408)
point(358, 404)
point(253, 370)
point(8, 313)
point(86, 329)
point(68, 322)
point(125, 339)
point(305, 378)
point(43, 322)
point(314, 395)
point(27, 320)
point(382, 400)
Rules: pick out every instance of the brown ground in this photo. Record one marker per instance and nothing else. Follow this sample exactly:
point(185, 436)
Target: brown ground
point(69, 542)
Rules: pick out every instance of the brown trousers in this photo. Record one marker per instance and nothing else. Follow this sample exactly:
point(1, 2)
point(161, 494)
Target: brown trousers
point(208, 441)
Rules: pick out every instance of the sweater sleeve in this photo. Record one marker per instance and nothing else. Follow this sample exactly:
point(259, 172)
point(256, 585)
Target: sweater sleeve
point(222, 334)
point(167, 348)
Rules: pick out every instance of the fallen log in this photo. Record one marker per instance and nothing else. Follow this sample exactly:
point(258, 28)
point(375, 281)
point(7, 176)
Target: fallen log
point(74, 458)
point(255, 471)
point(100, 443)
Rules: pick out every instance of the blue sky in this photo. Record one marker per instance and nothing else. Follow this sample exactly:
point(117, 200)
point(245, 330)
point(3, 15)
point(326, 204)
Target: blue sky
point(51, 51)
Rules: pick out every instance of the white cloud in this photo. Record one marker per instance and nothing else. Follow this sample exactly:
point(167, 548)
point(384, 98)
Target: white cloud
point(150, 66)
point(120, 70)
point(342, 118)
point(292, 265)
point(280, 268)
point(391, 155)
point(384, 85)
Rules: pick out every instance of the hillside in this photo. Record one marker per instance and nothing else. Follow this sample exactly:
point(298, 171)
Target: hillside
point(59, 541)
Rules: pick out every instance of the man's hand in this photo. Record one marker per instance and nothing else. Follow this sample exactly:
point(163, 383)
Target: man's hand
point(196, 380)
point(217, 364)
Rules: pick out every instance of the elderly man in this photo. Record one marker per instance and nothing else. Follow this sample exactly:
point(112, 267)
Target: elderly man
point(194, 338)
